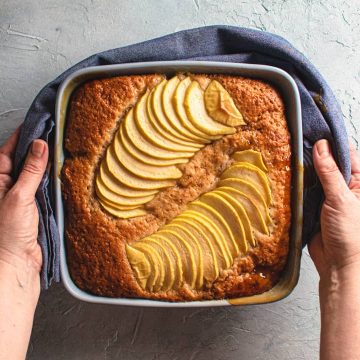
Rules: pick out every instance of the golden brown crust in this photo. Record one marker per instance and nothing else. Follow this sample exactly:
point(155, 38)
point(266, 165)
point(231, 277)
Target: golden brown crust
point(96, 240)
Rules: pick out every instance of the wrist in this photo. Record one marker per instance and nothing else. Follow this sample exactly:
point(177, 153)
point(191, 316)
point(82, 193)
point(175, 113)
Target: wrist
point(20, 275)
point(19, 295)
point(337, 279)
point(21, 261)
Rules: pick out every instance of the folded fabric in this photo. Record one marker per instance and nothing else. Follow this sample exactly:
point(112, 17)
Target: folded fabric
point(321, 114)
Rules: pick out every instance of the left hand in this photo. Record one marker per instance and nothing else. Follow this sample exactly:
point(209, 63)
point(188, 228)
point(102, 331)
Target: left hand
point(19, 216)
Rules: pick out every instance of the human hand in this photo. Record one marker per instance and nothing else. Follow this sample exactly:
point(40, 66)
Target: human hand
point(19, 216)
point(338, 244)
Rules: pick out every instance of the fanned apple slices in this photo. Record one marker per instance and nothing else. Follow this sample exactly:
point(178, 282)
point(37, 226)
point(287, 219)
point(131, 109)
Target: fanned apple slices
point(166, 127)
point(194, 247)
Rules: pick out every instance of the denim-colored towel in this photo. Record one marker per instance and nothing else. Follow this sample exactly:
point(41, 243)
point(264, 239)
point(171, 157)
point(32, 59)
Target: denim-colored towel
point(321, 114)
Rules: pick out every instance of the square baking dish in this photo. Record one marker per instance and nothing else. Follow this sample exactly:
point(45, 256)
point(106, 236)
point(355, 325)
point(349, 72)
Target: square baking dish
point(289, 92)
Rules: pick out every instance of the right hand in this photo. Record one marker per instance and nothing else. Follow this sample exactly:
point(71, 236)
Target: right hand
point(338, 244)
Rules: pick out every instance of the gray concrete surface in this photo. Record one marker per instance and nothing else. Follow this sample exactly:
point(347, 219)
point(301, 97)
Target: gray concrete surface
point(39, 39)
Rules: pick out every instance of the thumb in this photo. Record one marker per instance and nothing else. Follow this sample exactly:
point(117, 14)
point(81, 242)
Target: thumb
point(326, 168)
point(33, 170)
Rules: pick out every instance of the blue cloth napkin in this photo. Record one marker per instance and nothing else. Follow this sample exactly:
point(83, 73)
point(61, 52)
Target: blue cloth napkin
point(322, 116)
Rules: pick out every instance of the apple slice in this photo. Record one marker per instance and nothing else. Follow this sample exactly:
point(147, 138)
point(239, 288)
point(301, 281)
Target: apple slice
point(222, 206)
point(113, 185)
point(157, 274)
point(155, 103)
point(127, 178)
point(220, 105)
point(111, 198)
point(160, 117)
point(252, 157)
point(196, 112)
point(251, 191)
point(218, 219)
point(237, 205)
point(119, 207)
point(209, 269)
point(166, 263)
point(145, 158)
point(167, 101)
point(211, 266)
point(144, 126)
point(178, 95)
point(217, 238)
point(143, 145)
point(142, 170)
point(160, 129)
point(252, 174)
point(169, 265)
point(124, 214)
point(184, 245)
point(253, 212)
point(139, 264)
point(196, 249)
point(170, 247)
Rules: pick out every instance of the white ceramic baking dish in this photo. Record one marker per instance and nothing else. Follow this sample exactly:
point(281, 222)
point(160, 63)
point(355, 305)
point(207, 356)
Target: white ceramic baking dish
point(289, 91)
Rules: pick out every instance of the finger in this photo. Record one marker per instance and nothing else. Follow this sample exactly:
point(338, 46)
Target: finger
point(355, 168)
point(5, 164)
point(329, 174)
point(33, 170)
point(5, 184)
point(6, 152)
point(9, 147)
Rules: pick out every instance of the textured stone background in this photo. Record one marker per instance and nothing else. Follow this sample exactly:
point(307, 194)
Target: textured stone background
point(39, 39)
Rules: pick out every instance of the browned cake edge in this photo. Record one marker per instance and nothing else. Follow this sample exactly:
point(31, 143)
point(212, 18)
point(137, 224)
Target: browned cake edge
point(96, 240)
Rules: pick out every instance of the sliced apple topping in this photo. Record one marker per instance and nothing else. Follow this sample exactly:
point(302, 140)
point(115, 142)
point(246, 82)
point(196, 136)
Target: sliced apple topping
point(257, 195)
point(106, 182)
point(166, 127)
point(175, 255)
point(129, 147)
point(220, 105)
point(157, 272)
point(208, 265)
point(140, 265)
point(250, 173)
point(144, 124)
point(123, 213)
point(178, 103)
point(169, 111)
point(252, 157)
point(199, 244)
point(126, 177)
point(197, 114)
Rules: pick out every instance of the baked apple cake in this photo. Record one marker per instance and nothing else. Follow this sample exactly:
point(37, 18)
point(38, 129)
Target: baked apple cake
point(176, 188)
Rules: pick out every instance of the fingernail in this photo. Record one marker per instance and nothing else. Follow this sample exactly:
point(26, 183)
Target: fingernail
point(323, 148)
point(37, 148)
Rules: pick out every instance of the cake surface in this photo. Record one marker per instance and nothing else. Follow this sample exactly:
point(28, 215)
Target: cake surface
point(97, 240)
